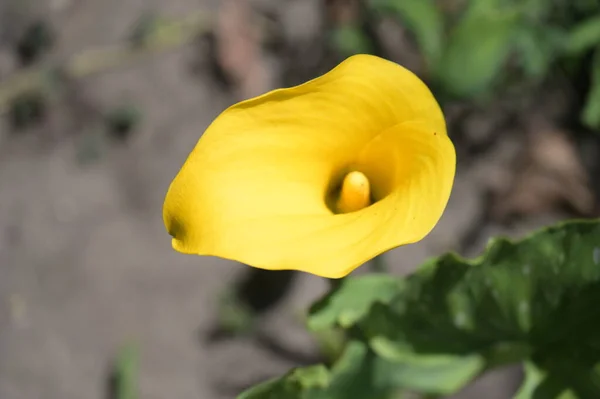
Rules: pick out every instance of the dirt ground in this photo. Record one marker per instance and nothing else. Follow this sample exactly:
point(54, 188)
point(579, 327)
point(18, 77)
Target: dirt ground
point(85, 262)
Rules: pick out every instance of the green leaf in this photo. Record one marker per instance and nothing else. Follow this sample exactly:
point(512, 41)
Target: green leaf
point(356, 376)
point(331, 342)
point(561, 379)
point(126, 374)
point(433, 374)
point(477, 51)
point(300, 383)
point(538, 384)
point(352, 299)
point(351, 378)
point(423, 19)
point(590, 115)
point(537, 49)
point(584, 36)
point(536, 297)
point(515, 291)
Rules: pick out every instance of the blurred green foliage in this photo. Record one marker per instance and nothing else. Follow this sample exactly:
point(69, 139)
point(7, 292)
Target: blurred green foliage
point(124, 376)
point(351, 40)
point(473, 48)
point(35, 41)
point(122, 121)
point(27, 110)
point(533, 302)
point(591, 110)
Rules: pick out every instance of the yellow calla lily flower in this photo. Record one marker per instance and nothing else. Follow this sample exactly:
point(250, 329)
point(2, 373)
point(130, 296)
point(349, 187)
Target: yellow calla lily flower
point(320, 177)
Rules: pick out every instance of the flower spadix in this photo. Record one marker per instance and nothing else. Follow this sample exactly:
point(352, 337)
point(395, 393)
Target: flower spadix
point(320, 177)
point(354, 194)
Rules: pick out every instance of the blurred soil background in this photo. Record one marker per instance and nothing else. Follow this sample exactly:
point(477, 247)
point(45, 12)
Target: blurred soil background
point(102, 100)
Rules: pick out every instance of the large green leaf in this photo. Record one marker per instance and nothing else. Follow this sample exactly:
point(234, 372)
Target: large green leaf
point(534, 297)
point(533, 300)
point(352, 299)
point(423, 19)
point(477, 51)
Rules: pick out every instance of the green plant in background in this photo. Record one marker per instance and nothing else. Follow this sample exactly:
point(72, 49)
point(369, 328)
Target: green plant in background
point(472, 48)
point(35, 41)
point(121, 121)
point(350, 40)
point(533, 301)
point(123, 382)
point(27, 110)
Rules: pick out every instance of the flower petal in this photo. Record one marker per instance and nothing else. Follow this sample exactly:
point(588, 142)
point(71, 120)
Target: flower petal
point(254, 188)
